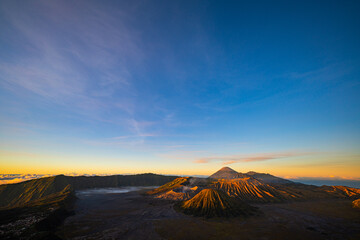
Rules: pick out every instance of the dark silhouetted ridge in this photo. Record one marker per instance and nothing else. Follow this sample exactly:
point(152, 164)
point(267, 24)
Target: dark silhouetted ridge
point(267, 178)
point(20, 194)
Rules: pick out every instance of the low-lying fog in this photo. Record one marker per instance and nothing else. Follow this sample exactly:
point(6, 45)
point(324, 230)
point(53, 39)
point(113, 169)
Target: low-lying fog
point(96, 191)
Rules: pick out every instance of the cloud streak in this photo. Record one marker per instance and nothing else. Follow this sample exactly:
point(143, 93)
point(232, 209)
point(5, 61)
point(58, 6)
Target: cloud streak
point(230, 159)
point(81, 57)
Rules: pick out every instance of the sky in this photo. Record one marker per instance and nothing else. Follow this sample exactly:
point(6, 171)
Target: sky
point(180, 87)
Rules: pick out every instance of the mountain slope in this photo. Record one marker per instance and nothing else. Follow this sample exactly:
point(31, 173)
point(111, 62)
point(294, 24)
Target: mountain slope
point(227, 173)
point(252, 187)
point(308, 192)
point(20, 194)
point(342, 191)
point(33, 209)
point(181, 188)
point(214, 203)
point(356, 203)
point(267, 178)
point(252, 190)
point(37, 219)
point(178, 194)
point(147, 179)
point(176, 183)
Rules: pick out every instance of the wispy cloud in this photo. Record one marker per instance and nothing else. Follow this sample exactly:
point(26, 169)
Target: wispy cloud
point(73, 54)
point(80, 56)
point(327, 73)
point(230, 159)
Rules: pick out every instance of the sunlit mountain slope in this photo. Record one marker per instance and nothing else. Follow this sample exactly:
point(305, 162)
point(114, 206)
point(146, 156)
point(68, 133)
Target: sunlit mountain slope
point(214, 203)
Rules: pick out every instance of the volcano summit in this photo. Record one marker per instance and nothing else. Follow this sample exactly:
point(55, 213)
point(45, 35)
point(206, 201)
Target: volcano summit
point(227, 173)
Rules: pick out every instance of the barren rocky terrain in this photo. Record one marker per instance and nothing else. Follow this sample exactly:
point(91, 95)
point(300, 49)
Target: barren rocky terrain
point(134, 215)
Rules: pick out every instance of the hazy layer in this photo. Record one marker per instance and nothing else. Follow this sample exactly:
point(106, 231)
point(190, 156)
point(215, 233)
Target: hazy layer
point(89, 192)
point(321, 182)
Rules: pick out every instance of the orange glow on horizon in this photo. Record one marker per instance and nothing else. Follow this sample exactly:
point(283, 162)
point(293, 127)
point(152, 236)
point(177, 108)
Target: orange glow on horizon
point(25, 163)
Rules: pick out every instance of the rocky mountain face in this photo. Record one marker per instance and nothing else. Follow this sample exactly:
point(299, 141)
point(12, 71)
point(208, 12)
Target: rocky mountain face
point(251, 187)
point(176, 183)
point(227, 173)
point(205, 196)
point(342, 191)
point(356, 203)
point(252, 190)
point(214, 203)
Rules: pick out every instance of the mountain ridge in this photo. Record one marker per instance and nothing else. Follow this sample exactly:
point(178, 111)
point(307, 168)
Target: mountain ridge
point(20, 194)
point(229, 173)
point(214, 203)
point(254, 187)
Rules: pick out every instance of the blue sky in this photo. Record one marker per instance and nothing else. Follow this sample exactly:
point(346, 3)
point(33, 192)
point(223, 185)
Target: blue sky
point(180, 87)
